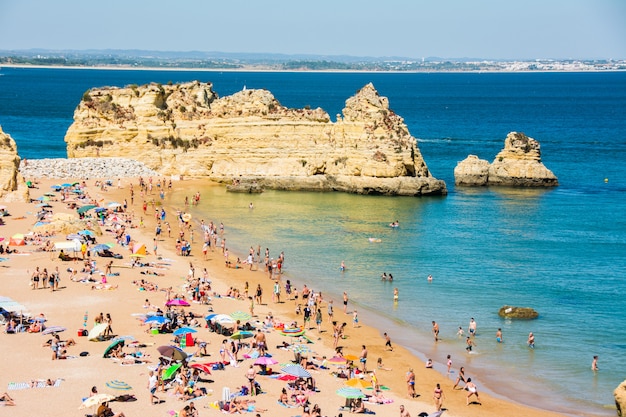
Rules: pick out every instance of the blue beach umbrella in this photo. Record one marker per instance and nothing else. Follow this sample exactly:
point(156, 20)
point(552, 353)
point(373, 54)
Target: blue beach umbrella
point(157, 319)
point(297, 371)
point(184, 330)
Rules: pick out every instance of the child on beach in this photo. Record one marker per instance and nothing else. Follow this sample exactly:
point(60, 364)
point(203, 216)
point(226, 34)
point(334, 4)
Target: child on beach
point(355, 319)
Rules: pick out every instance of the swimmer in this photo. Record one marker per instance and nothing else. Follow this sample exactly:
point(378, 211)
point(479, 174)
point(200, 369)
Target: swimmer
point(430, 278)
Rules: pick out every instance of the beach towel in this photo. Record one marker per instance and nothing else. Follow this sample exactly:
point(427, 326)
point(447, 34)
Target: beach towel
point(34, 384)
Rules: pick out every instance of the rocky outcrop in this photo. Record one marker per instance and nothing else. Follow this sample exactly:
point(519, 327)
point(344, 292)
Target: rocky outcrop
point(12, 184)
point(518, 165)
point(510, 312)
point(186, 129)
point(620, 399)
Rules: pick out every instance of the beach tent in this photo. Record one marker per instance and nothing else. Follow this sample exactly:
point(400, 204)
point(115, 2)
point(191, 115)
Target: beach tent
point(17, 240)
point(139, 249)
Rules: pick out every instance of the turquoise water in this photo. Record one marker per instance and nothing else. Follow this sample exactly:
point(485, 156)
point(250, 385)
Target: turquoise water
point(561, 251)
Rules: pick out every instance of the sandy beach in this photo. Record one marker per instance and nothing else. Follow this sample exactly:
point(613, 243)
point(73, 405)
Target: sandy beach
point(27, 360)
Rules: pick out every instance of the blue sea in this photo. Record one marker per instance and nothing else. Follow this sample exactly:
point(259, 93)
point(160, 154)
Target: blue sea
point(561, 251)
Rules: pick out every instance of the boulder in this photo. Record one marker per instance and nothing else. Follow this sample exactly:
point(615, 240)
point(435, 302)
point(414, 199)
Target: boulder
point(620, 399)
point(186, 129)
point(472, 171)
point(12, 184)
point(518, 165)
point(510, 312)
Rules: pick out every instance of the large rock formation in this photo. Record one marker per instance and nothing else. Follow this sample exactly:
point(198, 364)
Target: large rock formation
point(620, 399)
point(518, 164)
point(12, 184)
point(185, 129)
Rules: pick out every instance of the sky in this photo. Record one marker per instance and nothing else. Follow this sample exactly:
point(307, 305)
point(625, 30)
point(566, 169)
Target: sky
point(485, 29)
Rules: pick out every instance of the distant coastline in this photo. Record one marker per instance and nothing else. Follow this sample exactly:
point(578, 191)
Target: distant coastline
point(253, 68)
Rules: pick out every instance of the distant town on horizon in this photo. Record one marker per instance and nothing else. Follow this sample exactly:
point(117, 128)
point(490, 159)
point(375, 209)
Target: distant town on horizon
point(129, 59)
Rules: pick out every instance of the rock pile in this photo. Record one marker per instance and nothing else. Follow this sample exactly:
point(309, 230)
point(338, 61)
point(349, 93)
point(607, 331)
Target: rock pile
point(86, 168)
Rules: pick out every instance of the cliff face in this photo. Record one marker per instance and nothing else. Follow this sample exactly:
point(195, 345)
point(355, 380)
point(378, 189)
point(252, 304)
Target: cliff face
point(186, 129)
point(518, 164)
point(12, 185)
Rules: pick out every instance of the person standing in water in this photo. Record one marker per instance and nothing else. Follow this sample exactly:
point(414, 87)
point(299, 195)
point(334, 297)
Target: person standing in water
point(594, 363)
point(499, 336)
point(531, 340)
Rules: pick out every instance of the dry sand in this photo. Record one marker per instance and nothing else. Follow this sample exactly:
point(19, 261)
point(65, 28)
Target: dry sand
point(25, 358)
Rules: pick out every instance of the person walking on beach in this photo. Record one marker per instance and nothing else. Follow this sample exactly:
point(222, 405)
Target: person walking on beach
point(355, 319)
point(410, 382)
point(471, 390)
point(363, 358)
point(318, 319)
point(436, 331)
point(531, 340)
point(329, 311)
point(388, 342)
point(438, 396)
point(345, 302)
point(152, 387)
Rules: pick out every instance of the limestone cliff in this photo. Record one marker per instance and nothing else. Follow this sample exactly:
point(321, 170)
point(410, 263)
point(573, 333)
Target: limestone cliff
point(620, 399)
point(186, 129)
point(12, 185)
point(518, 164)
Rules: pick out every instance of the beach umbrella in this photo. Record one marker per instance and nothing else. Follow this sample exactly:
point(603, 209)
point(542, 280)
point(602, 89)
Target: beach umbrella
point(85, 209)
point(118, 385)
point(293, 332)
point(242, 335)
point(351, 358)
point(186, 217)
point(173, 352)
point(241, 316)
point(204, 367)
point(297, 371)
point(177, 302)
point(99, 209)
point(337, 360)
point(265, 360)
point(43, 198)
point(210, 316)
point(50, 194)
point(44, 205)
point(53, 329)
point(351, 393)
point(95, 400)
point(125, 338)
point(100, 247)
point(358, 383)
point(56, 187)
point(85, 232)
point(66, 185)
point(223, 319)
point(184, 330)
point(97, 330)
point(114, 204)
point(171, 371)
point(113, 345)
point(157, 319)
point(287, 377)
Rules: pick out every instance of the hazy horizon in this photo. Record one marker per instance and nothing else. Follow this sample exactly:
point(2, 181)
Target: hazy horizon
point(449, 29)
